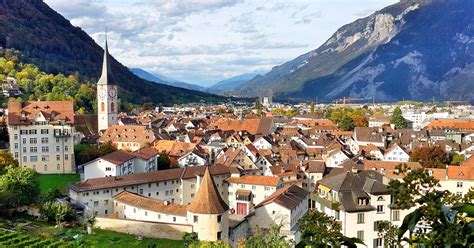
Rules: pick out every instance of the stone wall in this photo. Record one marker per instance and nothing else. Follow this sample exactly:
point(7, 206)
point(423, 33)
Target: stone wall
point(146, 229)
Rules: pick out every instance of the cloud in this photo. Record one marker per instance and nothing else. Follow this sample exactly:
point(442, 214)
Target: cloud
point(208, 40)
point(183, 8)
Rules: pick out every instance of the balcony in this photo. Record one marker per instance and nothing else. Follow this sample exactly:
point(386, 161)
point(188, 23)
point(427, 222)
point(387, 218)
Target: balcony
point(326, 203)
point(62, 133)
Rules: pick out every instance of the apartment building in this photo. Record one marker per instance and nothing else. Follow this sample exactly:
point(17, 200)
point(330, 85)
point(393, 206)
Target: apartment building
point(42, 135)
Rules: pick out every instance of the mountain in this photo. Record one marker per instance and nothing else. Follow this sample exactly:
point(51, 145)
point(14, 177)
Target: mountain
point(165, 80)
point(233, 82)
point(412, 49)
point(48, 40)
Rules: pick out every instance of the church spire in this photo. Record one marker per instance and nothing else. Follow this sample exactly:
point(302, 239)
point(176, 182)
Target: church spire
point(106, 77)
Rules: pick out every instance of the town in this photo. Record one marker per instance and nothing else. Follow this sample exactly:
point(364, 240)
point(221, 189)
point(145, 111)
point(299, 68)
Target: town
point(224, 171)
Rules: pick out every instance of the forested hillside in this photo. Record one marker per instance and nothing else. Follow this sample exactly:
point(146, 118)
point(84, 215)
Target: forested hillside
point(49, 41)
point(38, 85)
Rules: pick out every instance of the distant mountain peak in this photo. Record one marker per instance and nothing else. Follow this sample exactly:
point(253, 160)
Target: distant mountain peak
point(411, 49)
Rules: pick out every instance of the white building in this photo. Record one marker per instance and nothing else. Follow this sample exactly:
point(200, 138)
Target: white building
point(396, 154)
point(42, 135)
point(286, 206)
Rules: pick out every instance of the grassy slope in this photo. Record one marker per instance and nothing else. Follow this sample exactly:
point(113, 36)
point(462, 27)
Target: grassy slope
point(48, 182)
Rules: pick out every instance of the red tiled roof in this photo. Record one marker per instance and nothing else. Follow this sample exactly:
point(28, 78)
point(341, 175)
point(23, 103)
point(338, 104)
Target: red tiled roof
point(255, 180)
point(53, 111)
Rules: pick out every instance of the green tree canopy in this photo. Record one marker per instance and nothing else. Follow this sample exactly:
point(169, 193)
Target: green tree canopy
point(22, 182)
point(397, 119)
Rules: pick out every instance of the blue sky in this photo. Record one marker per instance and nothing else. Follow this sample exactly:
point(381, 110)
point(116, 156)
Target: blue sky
point(205, 41)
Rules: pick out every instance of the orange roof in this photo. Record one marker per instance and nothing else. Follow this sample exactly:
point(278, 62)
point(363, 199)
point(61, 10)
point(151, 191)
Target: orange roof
point(255, 180)
point(464, 125)
point(150, 204)
point(388, 168)
point(464, 171)
point(165, 145)
point(208, 200)
point(53, 111)
point(318, 122)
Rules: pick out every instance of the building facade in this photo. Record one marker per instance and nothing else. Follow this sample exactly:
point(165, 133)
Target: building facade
point(42, 135)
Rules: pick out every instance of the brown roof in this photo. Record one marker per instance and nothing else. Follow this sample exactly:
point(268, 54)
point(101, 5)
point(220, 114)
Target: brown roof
point(150, 204)
point(53, 111)
point(137, 134)
point(118, 157)
point(142, 178)
point(255, 180)
point(208, 199)
point(288, 197)
point(146, 153)
point(253, 126)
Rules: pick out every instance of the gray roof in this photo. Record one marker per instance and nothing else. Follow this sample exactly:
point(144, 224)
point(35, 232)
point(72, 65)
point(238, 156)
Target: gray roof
point(353, 185)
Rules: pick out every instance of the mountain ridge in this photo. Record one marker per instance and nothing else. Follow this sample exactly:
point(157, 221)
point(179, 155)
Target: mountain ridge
point(152, 77)
point(370, 57)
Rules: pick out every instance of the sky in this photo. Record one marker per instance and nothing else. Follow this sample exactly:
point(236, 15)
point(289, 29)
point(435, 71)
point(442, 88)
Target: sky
point(205, 41)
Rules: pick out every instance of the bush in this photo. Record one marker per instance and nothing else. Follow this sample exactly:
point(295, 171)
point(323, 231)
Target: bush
point(59, 212)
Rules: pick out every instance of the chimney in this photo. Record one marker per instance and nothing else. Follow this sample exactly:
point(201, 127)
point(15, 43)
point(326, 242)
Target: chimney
point(165, 203)
point(355, 170)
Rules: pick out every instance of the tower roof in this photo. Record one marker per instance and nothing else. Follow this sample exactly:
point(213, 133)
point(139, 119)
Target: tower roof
point(106, 77)
point(207, 199)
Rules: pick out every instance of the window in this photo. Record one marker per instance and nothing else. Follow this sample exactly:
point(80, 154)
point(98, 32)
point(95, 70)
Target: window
point(16, 145)
point(134, 210)
point(106, 202)
point(57, 148)
point(45, 158)
point(108, 169)
point(106, 212)
point(112, 107)
point(32, 131)
point(58, 167)
point(376, 225)
point(96, 203)
point(24, 141)
point(25, 158)
point(15, 136)
point(44, 131)
point(102, 106)
point(141, 191)
point(193, 186)
point(33, 158)
point(267, 188)
point(66, 156)
point(58, 157)
point(24, 149)
point(33, 149)
point(159, 216)
point(45, 149)
point(254, 187)
point(66, 148)
point(378, 242)
point(360, 218)
point(174, 219)
point(44, 140)
point(379, 209)
point(195, 218)
point(396, 215)
point(360, 235)
point(219, 218)
point(33, 140)
point(459, 184)
point(219, 235)
point(146, 213)
point(45, 167)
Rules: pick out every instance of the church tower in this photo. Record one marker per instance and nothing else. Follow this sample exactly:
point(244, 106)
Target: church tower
point(106, 95)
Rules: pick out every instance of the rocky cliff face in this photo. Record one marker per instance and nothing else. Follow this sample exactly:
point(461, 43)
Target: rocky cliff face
point(412, 50)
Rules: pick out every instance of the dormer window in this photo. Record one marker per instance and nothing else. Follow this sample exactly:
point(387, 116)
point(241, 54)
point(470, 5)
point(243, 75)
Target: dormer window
point(362, 201)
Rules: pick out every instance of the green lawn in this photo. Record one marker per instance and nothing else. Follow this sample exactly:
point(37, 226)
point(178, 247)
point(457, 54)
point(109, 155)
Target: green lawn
point(48, 182)
point(100, 238)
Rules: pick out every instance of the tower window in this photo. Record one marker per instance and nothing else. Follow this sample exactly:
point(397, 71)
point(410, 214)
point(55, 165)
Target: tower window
point(112, 107)
point(102, 106)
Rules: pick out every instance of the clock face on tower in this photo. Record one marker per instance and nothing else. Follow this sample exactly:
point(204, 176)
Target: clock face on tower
point(102, 93)
point(112, 92)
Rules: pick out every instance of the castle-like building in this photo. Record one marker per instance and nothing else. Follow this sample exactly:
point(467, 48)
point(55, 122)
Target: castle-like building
point(107, 95)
